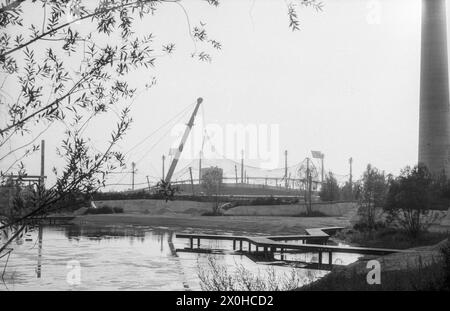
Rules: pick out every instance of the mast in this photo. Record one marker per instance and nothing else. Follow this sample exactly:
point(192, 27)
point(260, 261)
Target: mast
point(183, 141)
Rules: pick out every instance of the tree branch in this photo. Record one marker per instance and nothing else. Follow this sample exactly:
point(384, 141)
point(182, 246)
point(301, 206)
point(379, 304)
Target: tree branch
point(99, 12)
point(11, 6)
point(55, 102)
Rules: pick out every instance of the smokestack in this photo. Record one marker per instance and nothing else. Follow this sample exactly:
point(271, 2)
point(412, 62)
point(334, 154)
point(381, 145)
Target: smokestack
point(434, 134)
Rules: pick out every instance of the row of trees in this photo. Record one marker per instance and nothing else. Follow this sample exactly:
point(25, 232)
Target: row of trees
point(405, 201)
point(332, 191)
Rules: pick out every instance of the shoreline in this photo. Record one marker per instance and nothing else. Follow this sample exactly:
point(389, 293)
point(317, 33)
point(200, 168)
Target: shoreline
point(252, 224)
point(353, 276)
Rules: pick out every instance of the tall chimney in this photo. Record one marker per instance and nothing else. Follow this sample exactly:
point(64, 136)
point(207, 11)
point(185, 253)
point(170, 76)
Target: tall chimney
point(434, 129)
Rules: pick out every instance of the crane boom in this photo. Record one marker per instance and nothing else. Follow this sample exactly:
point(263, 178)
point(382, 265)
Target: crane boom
point(183, 141)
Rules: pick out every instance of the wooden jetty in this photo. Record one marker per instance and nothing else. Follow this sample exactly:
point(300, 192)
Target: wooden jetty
point(315, 241)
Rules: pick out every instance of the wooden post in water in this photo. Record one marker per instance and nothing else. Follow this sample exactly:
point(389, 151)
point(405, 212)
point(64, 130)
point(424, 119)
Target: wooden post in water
point(39, 265)
point(42, 179)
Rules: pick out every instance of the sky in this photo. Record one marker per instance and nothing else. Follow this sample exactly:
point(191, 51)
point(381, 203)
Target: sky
point(346, 84)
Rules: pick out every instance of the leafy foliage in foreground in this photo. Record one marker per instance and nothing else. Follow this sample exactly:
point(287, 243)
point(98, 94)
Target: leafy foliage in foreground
point(67, 67)
point(218, 277)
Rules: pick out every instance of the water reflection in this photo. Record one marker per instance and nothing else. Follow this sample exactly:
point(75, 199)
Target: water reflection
point(94, 233)
point(111, 258)
point(39, 265)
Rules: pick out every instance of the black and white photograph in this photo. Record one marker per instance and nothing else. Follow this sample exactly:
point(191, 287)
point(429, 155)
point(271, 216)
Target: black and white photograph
point(240, 147)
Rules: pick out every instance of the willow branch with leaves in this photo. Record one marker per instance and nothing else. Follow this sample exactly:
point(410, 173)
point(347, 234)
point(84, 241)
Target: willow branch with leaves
point(82, 73)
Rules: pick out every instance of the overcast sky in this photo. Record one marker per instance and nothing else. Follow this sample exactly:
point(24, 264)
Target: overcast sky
point(346, 84)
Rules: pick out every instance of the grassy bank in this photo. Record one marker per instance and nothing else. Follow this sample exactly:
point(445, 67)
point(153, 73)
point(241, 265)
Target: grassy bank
point(427, 271)
point(425, 278)
point(388, 238)
point(426, 265)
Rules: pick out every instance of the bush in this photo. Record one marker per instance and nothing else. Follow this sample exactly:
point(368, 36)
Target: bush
point(212, 213)
point(388, 237)
point(219, 277)
point(118, 210)
point(330, 190)
point(372, 192)
point(362, 226)
point(311, 214)
point(410, 198)
point(265, 201)
point(101, 210)
point(104, 210)
point(446, 266)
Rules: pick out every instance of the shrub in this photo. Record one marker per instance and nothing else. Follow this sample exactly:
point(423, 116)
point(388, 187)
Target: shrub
point(211, 181)
point(118, 210)
point(330, 189)
point(212, 213)
point(311, 214)
point(372, 194)
point(446, 266)
point(410, 198)
point(100, 210)
point(218, 277)
point(388, 237)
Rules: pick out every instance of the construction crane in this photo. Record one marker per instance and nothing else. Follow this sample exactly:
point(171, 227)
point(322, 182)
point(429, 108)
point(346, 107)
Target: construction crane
point(164, 185)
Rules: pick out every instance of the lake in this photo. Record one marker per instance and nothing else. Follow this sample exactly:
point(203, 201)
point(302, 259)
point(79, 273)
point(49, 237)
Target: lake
point(127, 257)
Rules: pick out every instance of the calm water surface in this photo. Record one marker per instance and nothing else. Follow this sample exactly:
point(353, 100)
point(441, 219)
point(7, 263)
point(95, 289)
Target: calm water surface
point(119, 258)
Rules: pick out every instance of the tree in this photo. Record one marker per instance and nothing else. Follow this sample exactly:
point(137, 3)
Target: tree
point(347, 192)
point(441, 195)
point(410, 198)
point(212, 179)
point(372, 191)
point(330, 188)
